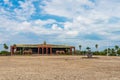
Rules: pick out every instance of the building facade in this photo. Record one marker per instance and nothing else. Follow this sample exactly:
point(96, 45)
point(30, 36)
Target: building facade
point(42, 49)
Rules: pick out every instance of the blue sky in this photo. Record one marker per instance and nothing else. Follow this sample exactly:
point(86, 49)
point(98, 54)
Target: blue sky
point(70, 22)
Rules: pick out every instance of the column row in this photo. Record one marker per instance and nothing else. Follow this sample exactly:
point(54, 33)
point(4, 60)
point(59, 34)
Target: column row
point(45, 49)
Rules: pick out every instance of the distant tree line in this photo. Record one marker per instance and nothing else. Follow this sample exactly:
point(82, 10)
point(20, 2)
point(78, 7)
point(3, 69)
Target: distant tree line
point(108, 51)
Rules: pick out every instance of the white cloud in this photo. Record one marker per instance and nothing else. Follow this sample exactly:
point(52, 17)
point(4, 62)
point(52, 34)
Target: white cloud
point(84, 18)
point(44, 22)
point(60, 10)
point(55, 27)
point(8, 2)
point(108, 7)
point(67, 8)
point(86, 21)
point(27, 9)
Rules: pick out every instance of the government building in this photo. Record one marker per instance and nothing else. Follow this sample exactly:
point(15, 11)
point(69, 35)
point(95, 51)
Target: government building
point(41, 49)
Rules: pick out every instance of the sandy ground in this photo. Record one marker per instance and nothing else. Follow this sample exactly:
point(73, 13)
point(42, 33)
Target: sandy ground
point(59, 68)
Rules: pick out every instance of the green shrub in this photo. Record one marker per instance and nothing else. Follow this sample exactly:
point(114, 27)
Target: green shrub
point(118, 52)
point(4, 53)
point(77, 52)
point(96, 53)
point(102, 53)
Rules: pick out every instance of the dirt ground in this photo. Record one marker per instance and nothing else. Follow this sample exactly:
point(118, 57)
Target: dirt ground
point(59, 68)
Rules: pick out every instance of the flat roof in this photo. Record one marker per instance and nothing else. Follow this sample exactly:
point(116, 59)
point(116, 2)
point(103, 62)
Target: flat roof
point(43, 45)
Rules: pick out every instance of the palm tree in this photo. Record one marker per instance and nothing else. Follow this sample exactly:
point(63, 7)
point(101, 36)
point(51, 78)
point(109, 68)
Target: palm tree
point(89, 54)
point(88, 48)
point(80, 47)
point(105, 51)
point(5, 46)
point(108, 51)
point(116, 48)
point(14, 45)
point(96, 46)
point(113, 50)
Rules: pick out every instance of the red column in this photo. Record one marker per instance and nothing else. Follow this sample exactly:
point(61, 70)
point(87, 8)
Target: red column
point(70, 50)
point(42, 50)
point(50, 50)
point(46, 50)
point(13, 50)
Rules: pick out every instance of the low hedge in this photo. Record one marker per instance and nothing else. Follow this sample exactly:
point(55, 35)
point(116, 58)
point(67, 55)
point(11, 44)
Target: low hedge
point(4, 53)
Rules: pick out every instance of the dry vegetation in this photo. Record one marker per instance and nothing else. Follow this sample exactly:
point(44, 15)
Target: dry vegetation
point(59, 68)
